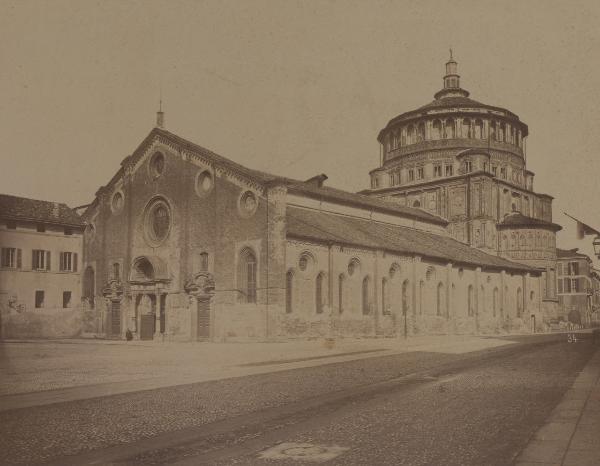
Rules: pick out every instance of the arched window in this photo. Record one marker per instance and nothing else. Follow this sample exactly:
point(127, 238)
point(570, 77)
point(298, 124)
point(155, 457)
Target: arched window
point(405, 302)
point(421, 288)
point(470, 302)
point(319, 293)
point(411, 136)
point(366, 295)
point(430, 273)
point(492, 130)
point(117, 271)
point(466, 128)
point(341, 280)
point(421, 132)
point(436, 129)
point(495, 302)
point(385, 304)
point(89, 285)
point(204, 262)
point(482, 306)
point(289, 292)
point(449, 129)
point(395, 140)
point(501, 132)
point(440, 307)
point(451, 308)
point(478, 129)
point(519, 302)
point(247, 276)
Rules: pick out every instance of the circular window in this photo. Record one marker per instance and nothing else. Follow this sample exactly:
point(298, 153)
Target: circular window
point(248, 203)
point(157, 164)
point(204, 183)
point(158, 221)
point(117, 201)
point(303, 262)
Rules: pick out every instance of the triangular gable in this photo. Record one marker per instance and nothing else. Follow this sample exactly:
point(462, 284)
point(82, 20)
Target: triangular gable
point(189, 151)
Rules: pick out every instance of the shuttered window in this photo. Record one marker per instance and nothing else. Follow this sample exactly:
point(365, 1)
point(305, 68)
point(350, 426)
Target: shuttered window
point(40, 260)
point(11, 258)
point(68, 262)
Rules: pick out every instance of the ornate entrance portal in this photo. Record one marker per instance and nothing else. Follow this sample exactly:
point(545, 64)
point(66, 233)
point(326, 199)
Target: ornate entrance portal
point(113, 294)
point(149, 283)
point(201, 288)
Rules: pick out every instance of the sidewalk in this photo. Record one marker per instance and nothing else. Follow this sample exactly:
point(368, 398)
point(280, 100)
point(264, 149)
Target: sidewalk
point(571, 435)
point(34, 373)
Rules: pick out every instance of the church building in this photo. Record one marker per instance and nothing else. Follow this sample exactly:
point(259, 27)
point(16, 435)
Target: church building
point(466, 162)
point(185, 244)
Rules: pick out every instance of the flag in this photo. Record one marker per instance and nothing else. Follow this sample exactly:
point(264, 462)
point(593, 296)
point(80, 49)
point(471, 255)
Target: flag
point(583, 229)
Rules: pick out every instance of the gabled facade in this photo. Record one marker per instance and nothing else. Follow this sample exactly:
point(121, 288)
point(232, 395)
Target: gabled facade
point(185, 244)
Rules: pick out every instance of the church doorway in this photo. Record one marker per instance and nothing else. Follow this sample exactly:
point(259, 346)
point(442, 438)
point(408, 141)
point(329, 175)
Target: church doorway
point(148, 278)
point(203, 310)
point(115, 318)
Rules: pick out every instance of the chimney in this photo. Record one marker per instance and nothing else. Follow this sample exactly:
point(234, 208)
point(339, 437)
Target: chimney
point(317, 181)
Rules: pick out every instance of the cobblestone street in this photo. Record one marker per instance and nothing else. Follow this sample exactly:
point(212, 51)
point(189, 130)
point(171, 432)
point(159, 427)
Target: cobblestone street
point(411, 398)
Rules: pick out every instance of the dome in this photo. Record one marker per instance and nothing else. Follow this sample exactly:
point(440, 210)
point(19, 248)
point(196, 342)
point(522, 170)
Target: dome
point(454, 101)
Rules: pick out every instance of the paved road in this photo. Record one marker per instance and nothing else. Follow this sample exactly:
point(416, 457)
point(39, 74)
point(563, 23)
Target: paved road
point(413, 408)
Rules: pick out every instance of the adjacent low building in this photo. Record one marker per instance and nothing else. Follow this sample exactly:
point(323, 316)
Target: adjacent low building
point(577, 285)
point(41, 247)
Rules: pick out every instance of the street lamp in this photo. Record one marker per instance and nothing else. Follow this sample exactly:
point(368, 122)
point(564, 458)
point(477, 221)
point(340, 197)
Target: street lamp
point(596, 244)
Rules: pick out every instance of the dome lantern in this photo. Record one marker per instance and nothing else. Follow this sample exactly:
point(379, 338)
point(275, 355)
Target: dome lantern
point(451, 81)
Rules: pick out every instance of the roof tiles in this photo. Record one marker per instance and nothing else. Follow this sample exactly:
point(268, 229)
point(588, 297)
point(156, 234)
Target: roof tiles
point(334, 228)
point(21, 208)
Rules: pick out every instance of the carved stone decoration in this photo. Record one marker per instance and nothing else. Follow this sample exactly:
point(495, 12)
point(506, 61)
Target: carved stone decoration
point(200, 285)
point(113, 290)
point(457, 202)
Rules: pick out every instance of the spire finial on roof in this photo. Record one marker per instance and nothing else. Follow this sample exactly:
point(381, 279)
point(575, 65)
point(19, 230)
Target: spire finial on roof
point(160, 116)
point(451, 80)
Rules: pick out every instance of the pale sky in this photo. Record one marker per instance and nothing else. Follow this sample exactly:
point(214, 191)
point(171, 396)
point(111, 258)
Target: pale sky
point(295, 88)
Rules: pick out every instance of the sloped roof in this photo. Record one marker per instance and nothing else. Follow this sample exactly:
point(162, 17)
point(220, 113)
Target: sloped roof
point(212, 156)
point(346, 197)
point(451, 103)
point(303, 187)
point(564, 253)
point(517, 219)
point(334, 228)
point(22, 208)
point(307, 188)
